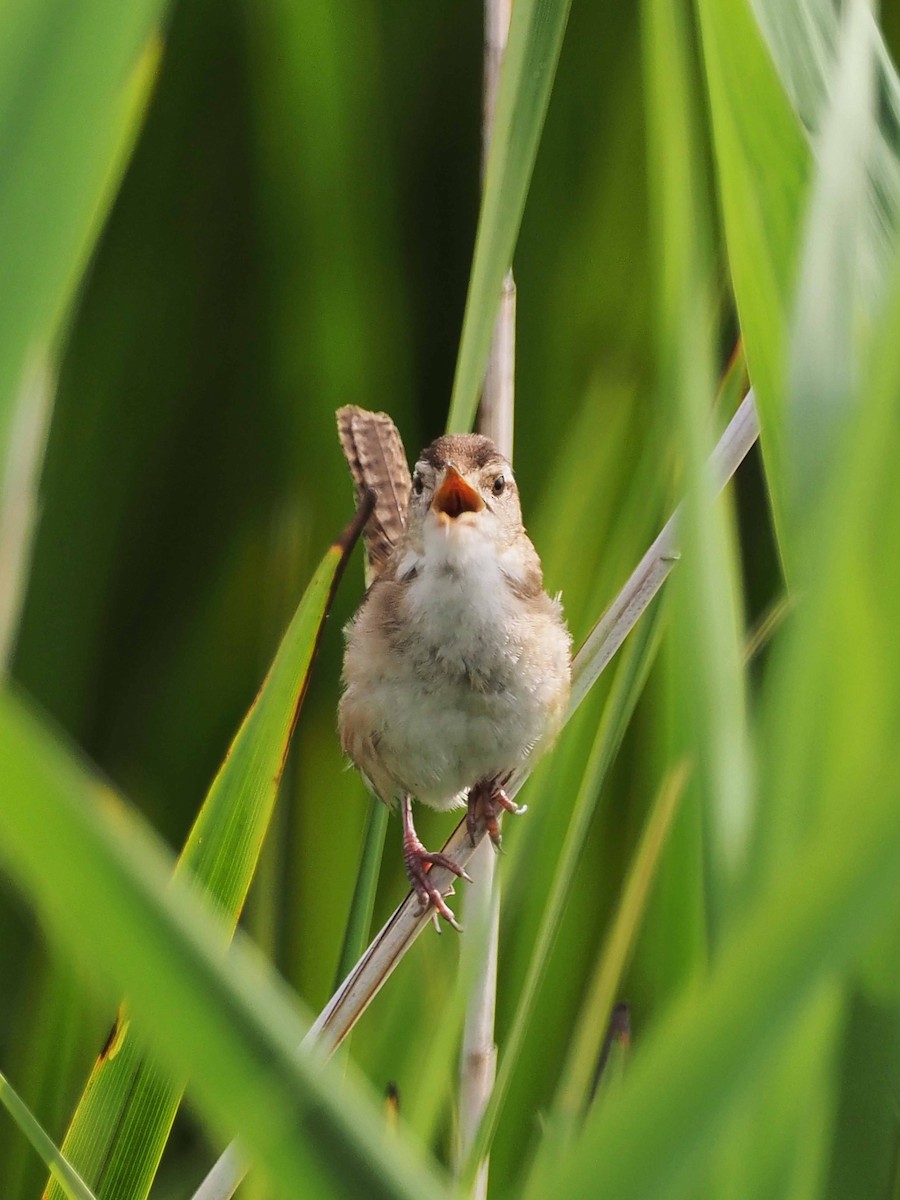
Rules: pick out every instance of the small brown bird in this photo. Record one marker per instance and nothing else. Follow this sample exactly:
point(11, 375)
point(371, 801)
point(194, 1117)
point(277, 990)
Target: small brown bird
point(457, 663)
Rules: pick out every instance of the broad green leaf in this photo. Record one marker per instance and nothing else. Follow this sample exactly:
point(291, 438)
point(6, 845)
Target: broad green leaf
point(805, 39)
point(214, 1014)
point(707, 619)
point(74, 81)
point(529, 67)
point(122, 1122)
point(71, 1183)
point(762, 167)
point(836, 295)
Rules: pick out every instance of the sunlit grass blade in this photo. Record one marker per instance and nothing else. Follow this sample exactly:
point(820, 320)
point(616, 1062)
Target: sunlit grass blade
point(212, 1013)
point(834, 301)
point(711, 714)
point(762, 167)
point(529, 67)
point(68, 1179)
point(804, 38)
point(122, 1122)
point(74, 83)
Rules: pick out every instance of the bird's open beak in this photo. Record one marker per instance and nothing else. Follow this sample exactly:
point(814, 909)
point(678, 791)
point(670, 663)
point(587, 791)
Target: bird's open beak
point(455, 496)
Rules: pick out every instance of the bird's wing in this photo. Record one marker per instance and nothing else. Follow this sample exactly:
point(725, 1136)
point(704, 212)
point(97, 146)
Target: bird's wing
point(374, 452)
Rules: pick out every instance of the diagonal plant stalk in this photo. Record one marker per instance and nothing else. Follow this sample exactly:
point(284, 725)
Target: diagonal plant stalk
point(478, 1052)
point(393, 941)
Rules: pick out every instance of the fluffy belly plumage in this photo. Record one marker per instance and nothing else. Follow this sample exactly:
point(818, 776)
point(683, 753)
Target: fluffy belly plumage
point(435, 743)
point(461, 684)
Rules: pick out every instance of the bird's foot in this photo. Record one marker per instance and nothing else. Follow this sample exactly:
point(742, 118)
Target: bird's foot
point(419, 862)
point(486, 802)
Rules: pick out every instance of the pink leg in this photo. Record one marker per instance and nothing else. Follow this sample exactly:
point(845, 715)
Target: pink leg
point(486, 801)
point(418, 862)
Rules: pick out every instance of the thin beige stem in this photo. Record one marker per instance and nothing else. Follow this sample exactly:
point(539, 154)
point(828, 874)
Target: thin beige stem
point(497, 410)
point(390, 945)
point(478, 1052)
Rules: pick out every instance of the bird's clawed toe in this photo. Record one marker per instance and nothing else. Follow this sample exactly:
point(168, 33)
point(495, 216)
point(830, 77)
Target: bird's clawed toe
point(486, 802)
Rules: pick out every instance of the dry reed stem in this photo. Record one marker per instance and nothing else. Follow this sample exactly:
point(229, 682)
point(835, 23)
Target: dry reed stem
point(478, 1051)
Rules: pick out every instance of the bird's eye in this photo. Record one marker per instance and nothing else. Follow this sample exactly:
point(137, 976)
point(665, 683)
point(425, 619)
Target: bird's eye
point(418, 484)
point(499, 485)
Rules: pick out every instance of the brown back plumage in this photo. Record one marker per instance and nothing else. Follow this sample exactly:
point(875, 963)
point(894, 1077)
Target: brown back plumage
point(374, 452)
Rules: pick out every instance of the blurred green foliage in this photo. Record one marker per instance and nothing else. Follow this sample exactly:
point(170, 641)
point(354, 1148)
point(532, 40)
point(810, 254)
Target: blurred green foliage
point(294, 232)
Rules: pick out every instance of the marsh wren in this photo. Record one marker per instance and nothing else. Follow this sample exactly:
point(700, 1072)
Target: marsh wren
point(457, 663)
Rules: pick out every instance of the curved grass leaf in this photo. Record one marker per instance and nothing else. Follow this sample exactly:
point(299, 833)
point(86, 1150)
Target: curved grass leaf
point(763, 163)
point(529, 67)
point(805, 39)
point(710, 722)
point(74, 81)
point(122, 1122)
point(836, 294)
point(213, 1013)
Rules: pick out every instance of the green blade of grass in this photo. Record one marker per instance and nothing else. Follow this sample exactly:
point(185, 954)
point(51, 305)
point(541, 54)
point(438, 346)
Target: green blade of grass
point(805, 40)
point(74, 82)
point(762, 167)
point(711, 713)
point(71, 1183)
point(834, 300)
point(121, 1124)
point(529, 67)
point(210, 1012)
